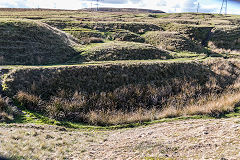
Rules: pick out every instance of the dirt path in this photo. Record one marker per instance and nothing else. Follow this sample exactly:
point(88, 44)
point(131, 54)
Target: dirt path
point(195, 139)
point(192, 139)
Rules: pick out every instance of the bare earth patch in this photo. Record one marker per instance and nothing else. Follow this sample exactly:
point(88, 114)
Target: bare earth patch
point(191, 139)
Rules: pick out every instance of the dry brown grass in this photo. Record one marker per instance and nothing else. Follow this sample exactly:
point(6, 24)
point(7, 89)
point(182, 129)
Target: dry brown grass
point(104, 111)
point(215, 138)
point(195, 90)
point(31, 102)
point(215, 107)
point(45, 142)
point(6, 112)
point(119, 117)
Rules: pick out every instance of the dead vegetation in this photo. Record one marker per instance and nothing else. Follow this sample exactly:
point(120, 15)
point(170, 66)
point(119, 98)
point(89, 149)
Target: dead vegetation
point(189, 139)
point(117, 94)
point(7, 112)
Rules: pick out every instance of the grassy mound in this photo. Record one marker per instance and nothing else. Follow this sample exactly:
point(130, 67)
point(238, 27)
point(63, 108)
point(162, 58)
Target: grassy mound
point(138, 28)
point(225, 39)
point(29, 43)
point(172, 41)
point(124, 51)
point(200, 34)
point(123, 35)
point(113, 94)
point(197, 33)
point(85, 36)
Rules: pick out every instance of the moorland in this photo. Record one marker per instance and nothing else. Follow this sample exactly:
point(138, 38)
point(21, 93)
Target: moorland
point(122, 84)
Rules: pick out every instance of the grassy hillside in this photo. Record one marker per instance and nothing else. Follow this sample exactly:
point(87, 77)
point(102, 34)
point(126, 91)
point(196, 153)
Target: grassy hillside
point(31, 36)
point(32, 43)
point(172, 41)
point(66, 70)
point(87, 93)
point(122, 76)
point(225, 38)
point(123, 51)
point(130, 10)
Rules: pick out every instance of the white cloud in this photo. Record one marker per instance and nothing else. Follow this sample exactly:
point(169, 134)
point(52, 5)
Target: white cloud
point(180, 6)
point(166, 5)
point(8, 3)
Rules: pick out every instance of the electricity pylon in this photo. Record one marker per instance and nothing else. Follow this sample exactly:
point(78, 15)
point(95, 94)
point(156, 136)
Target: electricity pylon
point(97, 4)
point(198, 6)
point(224, 5)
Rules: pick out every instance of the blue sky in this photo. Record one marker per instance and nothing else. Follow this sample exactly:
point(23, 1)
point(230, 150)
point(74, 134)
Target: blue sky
point(208, 6)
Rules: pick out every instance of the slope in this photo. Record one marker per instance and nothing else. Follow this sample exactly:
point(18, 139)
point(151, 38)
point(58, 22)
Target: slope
point(28, 43)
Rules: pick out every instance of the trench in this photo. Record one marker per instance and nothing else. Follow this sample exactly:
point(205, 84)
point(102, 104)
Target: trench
point(208, 37)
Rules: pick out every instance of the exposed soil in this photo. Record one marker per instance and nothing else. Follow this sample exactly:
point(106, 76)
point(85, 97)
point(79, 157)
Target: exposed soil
point(191, 139)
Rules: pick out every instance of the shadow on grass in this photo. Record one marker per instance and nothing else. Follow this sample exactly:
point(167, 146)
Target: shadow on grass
point(5, 158)
point(211, 53)
point(226, 114)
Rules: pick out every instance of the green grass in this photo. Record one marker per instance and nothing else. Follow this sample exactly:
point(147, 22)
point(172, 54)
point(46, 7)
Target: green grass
point(236, 113)
point(25, 42)
point(30, 117)
point(118, 50)
point(173, 41)
point(180, 57)
point(39, 119)
point(103, 25)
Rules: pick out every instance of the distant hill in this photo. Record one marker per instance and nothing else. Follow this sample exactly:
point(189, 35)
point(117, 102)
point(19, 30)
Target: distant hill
point(125, 10)
point(31, 9)
point(135, 10)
